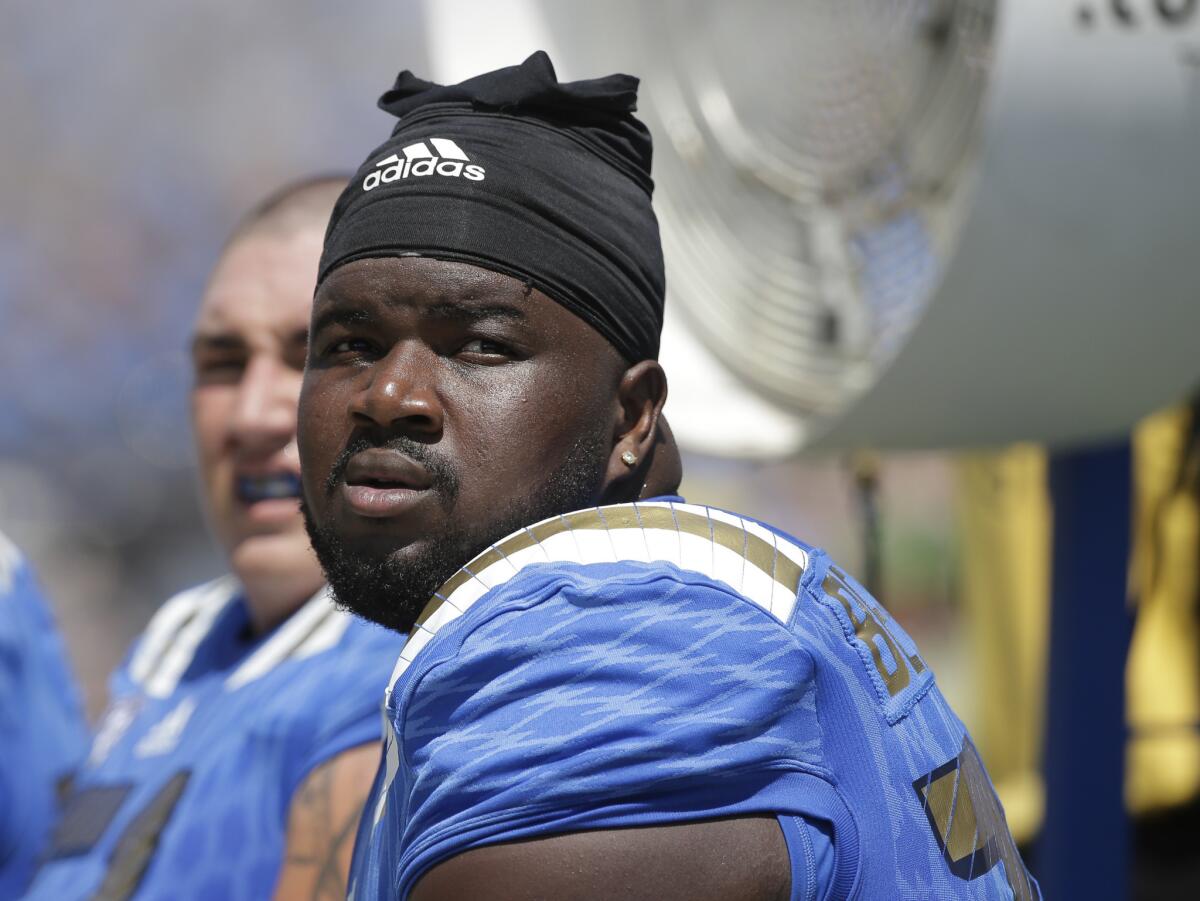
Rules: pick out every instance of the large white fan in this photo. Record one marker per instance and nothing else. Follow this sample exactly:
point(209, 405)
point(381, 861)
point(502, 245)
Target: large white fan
point(902, 224)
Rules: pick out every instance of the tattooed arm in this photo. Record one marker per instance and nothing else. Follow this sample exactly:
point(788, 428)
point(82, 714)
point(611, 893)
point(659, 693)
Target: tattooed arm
point(322, 822)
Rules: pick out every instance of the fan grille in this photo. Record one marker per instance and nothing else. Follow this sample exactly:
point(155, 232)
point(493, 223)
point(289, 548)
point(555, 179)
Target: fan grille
point(812, 163)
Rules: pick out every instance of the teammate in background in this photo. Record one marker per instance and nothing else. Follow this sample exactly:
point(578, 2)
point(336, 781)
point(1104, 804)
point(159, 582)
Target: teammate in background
point(243, 731)
point(606, 694)
point(43, 734)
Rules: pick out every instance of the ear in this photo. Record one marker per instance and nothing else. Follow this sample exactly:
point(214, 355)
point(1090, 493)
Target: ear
point(641, 394)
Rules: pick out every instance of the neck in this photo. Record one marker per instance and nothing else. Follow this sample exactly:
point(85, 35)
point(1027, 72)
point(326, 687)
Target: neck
point(273, 597)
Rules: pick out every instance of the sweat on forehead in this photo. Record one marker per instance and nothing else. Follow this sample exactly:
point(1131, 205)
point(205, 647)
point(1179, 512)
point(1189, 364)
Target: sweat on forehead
point(517, 173)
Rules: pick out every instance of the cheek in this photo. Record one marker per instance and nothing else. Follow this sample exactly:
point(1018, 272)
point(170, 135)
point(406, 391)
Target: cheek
point(212, 407)
point(321, 423)
point(514, 437)
point(289, 385)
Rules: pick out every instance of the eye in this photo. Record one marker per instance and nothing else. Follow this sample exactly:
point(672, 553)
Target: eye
point(351, 346)
point(486, 347)
point(218, 370)
point(221, 365)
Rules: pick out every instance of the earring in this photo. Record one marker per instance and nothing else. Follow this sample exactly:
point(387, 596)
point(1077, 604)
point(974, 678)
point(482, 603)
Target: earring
point(629, 458)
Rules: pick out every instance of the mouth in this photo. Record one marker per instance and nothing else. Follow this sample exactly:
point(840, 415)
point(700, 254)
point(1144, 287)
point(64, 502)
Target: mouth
point(267, 487)
point(380, 483)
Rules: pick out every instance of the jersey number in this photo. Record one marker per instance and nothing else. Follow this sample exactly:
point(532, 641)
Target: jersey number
point(88, 814)
point(969, 823)
point(874, 627)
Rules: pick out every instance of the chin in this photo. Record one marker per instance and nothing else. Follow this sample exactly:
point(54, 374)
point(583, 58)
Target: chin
point(274, 554)
point(384, 583)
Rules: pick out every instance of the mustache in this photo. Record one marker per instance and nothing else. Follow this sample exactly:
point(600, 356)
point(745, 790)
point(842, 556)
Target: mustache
point(441, 473)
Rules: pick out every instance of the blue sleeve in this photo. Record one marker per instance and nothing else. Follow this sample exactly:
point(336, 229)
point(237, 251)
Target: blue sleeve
point(43, 734)
point(810, 847)
point(606, 696)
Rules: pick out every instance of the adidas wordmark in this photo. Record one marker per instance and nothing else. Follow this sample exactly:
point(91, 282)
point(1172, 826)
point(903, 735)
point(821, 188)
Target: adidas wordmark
point(419, 160)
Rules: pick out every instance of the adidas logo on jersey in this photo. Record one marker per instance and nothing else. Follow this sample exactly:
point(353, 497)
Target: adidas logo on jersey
point(165, 735)
point(446, 158)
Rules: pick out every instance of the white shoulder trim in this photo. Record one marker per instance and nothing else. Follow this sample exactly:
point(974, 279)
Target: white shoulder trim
point(315, 627)
point(750, 559)
point(170, 640)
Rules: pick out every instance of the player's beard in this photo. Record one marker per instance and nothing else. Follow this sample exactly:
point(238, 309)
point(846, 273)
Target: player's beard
point(392, 591)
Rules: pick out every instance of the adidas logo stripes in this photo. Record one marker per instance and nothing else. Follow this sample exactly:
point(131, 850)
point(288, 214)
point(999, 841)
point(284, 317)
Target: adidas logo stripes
point(446, 158)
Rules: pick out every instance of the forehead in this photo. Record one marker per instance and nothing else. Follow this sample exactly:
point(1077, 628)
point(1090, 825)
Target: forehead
point(263, 280)
point(417, 281)
point(417, 289)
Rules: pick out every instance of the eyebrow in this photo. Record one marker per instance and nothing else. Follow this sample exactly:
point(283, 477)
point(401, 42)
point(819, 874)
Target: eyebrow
point(225, 341)
point(339, 317)
point(217, 342)
point(444, 310)
point(474, 312)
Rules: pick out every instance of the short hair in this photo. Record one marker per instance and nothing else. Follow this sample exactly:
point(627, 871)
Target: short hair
point(291, 208)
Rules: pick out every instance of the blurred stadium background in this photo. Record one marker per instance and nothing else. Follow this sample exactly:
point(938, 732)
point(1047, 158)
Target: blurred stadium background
point(136, 133)
point(135, 141)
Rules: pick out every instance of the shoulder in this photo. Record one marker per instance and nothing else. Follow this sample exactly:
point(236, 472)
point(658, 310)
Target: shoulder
point(665, 614)
point(622, 666)
point(315, 643)
point(642, 548)
point(170, 641)
point(637, 618)
point(326, 681)
point(672, 589)
point(28, 630)
point(318, 685)
point(317, 681)
point(603, 679)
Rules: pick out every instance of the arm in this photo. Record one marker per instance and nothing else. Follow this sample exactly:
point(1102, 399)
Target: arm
point(743, 859)
point(322, 821)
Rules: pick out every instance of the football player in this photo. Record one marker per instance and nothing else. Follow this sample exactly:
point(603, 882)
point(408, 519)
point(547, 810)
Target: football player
point(605, 693)
point(43, 734)
point(243, 730)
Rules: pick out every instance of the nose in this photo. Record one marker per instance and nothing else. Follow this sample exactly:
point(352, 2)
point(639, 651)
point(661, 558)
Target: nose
point(264, 416)
point(401, 394)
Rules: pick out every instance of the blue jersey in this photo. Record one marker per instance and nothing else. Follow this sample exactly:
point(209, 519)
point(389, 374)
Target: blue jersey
point(658, 663)
point(43, 735)
point(209, 732)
